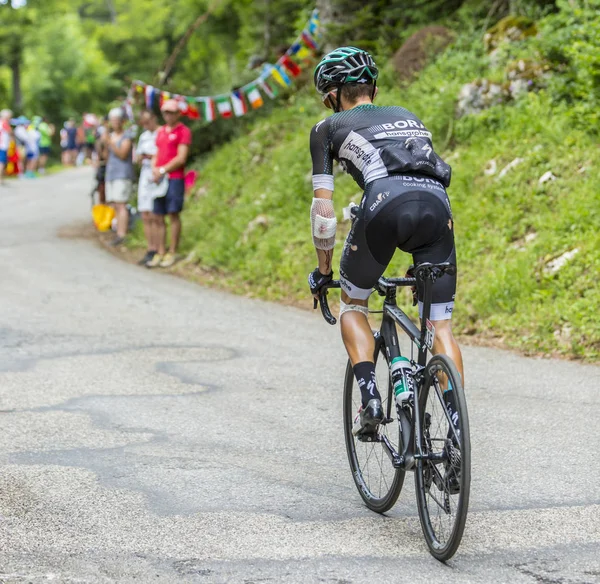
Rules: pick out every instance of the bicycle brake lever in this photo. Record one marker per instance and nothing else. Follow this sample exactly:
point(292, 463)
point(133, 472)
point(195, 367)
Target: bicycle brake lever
point(325, 309)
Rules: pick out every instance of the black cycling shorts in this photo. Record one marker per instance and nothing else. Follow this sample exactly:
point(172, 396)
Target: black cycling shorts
point(410, 213)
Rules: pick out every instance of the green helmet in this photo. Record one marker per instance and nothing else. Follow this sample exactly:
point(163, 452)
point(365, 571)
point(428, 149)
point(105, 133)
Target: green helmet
point(345, 65)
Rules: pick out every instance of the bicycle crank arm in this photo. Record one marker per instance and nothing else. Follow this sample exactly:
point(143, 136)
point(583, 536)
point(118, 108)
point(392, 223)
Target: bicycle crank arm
point(398, 460)
point(434, 457)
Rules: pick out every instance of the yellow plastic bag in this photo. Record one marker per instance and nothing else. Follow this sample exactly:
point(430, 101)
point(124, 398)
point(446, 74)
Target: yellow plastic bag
point(103, 216)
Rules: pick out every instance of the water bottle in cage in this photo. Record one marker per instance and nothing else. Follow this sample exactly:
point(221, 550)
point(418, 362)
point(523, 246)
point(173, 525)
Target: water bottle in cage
point(402, 379)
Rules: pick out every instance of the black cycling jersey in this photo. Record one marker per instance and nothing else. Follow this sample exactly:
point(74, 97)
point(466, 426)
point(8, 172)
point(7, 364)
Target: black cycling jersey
point(374, 142)
point(388, 152)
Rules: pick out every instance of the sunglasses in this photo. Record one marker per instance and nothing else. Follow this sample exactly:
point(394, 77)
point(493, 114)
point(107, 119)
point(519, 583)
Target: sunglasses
point(326, 99)
point(169, 112)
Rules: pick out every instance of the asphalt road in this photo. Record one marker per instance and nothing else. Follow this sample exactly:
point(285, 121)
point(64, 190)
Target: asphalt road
point(156, 431)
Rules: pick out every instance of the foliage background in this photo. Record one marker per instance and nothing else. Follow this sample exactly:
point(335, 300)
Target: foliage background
point(247, 223)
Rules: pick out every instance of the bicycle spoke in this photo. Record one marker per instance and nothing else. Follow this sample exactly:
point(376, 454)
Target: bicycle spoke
point(441, 483)
point(377, 480)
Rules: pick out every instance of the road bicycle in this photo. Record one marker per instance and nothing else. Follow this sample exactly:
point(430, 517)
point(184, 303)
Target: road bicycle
point(418, 436)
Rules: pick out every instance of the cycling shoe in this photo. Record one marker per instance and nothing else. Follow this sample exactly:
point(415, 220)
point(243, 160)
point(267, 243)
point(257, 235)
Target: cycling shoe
point(368, 418)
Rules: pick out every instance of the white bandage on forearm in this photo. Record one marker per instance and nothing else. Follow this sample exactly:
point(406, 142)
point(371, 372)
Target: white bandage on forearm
point(323, 223)
point(322, 181)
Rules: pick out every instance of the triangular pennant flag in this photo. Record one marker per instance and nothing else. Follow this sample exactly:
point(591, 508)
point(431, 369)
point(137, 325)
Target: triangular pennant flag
point(309, 41)
point(254, 96)
point(239, 103)
point(149, 91)
point(273, 85)
point(294, 48)
point(193, 112)
point(304, 54)
point(224, 106)
point(291, 67)
point(182, 105)
point(271, 92)
point(164, 95)
point(314, 22)
point(207, 106)
point(187, 107)
point(280, 76)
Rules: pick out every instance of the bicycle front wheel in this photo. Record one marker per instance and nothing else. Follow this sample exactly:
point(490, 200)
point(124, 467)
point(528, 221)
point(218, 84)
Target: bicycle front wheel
point(443, 476)
point(378, 482)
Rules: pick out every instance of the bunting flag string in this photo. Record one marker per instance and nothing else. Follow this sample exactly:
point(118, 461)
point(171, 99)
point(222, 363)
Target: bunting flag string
point(240, 101)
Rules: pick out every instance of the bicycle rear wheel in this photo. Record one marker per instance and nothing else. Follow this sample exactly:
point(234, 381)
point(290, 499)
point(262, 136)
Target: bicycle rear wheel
point(378, 482)
point(443, 484)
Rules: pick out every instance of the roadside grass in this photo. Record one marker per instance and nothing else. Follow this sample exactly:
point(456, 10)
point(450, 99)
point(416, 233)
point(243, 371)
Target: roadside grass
point(248, 220)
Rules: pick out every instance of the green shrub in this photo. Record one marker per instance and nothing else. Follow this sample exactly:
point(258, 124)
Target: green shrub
point(569, 40)
point(250, 222)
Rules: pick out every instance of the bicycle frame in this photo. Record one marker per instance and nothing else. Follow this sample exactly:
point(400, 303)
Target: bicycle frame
point(393, 315)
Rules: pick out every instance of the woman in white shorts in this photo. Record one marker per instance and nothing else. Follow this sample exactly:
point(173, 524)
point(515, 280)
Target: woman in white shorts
point(147, 188)
point(119, 172)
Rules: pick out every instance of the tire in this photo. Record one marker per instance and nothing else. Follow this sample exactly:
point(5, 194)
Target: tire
point(378, 482)
point(442, 493)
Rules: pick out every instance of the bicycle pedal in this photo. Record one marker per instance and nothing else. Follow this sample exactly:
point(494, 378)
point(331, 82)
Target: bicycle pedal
point(368, 437)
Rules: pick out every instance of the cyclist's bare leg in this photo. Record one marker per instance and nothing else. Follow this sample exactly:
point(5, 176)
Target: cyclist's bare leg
point(445, 343)
point(356, 333)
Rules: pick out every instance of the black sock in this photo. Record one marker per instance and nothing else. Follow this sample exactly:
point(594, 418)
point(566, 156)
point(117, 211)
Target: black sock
point(452, 410)
point(365, 376)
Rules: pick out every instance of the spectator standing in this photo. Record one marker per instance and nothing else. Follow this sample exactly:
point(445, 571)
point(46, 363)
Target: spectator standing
point(71, 142)
point(90, 140)
point(5, 137)
point(102, 159)
point(172, 149)
point(147, 188)
point(21, 139)
point(46, 131)
point(119, 172)
point(32, 151)
point(64, 141)
point(80, 144)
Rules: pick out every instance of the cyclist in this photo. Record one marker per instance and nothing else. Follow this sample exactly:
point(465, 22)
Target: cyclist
point(389, 153)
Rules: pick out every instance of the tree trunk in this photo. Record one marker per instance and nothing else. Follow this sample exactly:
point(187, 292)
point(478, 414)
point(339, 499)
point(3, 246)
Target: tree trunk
point(267, 30)
point(167, 68)
point(326, 16)
point(15, 67)
point(112, 13)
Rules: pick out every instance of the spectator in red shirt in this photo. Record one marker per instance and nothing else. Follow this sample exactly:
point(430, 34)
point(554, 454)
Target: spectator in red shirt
point(5, 139)
point(168, 164)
